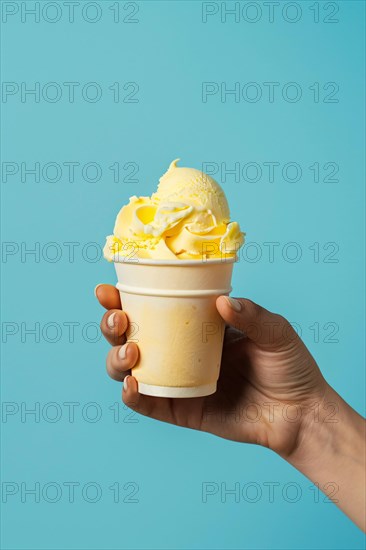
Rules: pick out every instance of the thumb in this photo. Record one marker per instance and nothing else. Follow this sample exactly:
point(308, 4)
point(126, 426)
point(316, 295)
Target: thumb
point(266, 329)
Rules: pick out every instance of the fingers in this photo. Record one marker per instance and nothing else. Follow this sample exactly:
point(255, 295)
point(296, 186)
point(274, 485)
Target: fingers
point(108, 296)
point(121, 359)
point(113, 325)
point(154, 407)
point(266, 329)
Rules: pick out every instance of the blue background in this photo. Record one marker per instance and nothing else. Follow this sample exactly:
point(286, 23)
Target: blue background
point(169, 52)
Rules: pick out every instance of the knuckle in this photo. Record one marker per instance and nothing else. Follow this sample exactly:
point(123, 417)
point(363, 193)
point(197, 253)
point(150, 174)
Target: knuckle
point(280, 319)
point(256, 310)
point(284, 324)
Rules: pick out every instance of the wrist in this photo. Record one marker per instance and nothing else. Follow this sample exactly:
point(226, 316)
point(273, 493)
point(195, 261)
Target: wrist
point(330, 428)
point(331, 453)
point(317, 434)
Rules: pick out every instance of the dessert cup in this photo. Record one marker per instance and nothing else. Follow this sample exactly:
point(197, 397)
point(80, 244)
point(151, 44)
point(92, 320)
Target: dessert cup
point(171, 307)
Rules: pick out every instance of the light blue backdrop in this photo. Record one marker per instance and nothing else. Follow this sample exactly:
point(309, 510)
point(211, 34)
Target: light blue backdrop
point(168, 54)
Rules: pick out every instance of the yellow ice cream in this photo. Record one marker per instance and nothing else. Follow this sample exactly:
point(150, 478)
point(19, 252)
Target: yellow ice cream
point(187, 218)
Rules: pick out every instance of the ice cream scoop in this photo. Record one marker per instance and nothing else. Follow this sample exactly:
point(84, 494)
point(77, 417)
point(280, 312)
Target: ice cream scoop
point(187, 217)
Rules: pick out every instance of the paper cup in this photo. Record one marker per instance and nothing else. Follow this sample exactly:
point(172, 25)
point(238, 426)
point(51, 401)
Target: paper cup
point(171, 307)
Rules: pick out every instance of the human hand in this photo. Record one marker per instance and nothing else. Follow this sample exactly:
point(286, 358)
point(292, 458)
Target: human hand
point(269, 383)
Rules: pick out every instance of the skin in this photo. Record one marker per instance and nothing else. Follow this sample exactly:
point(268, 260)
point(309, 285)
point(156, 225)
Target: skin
point(270, 392)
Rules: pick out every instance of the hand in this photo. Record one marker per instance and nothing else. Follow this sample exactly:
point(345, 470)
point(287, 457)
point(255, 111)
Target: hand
point(270, 392)
point(269, 383)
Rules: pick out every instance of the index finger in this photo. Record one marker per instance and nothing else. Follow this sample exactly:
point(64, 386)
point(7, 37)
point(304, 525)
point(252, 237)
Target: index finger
point(108, 296)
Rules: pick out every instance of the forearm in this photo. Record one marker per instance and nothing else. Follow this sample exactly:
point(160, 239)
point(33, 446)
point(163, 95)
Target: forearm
point(331, 453)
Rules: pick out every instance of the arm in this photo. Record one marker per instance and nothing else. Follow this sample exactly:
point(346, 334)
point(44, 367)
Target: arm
point(331, 453)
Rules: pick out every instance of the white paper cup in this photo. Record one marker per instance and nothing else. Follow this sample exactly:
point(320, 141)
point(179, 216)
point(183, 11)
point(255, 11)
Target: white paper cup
point(173, 318)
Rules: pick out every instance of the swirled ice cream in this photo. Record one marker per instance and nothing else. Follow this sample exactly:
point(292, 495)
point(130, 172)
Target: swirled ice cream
point(187, 218)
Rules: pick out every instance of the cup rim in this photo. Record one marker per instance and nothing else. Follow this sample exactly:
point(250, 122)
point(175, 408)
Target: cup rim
point(177, 263)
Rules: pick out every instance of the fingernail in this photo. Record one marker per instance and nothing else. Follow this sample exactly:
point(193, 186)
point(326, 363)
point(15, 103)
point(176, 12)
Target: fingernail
point(96, 288)
point(234, 304)
point(123, 351)
point(110, 320)
point(125, 383)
